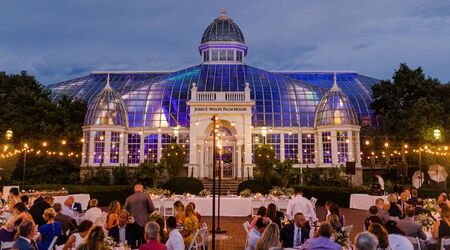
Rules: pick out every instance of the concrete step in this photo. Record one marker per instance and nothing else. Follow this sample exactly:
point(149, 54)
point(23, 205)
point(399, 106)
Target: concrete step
point(227, 186)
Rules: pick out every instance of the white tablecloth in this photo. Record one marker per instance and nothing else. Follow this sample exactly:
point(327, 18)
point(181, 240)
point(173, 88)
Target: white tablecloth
point(229, 206)
point(363, 201)
point(80, 198)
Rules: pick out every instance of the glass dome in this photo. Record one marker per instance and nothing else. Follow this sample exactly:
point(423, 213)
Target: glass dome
point(107, 108)
point(223, 29)
point(335, 109)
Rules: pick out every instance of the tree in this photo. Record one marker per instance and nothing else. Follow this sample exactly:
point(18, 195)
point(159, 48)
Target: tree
point(264, 160)
point(150, 172)
point(284, 170)
point(411, 105)
point(173, 158)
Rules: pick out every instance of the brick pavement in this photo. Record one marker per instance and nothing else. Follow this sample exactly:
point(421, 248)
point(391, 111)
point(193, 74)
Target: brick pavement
point(237, 236)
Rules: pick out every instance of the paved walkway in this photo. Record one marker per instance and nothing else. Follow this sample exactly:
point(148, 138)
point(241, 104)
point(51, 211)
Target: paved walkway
point(235, 238)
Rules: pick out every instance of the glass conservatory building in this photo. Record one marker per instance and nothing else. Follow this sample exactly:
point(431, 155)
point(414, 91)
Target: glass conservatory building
point(311, 118)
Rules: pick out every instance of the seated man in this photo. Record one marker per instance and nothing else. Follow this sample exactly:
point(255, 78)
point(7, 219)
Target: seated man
point(382, 213)
point(25, 240)
point(294, 234)
point(409, 226)
point(126, 231)
point(68, 226)
point(323, 241)
point(373, 217)
point(38, 208)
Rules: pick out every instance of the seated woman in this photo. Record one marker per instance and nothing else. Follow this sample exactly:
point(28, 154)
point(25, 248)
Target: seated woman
point(190, 225)
point(393, 208)
point(272, 214)
point(19, 215)
point(94, 213)
point(199, 217)
point(113, 214)
point(49, 230)
point(94, 240)
point(76, 239)
point(441, 228)
point(179, 208)
point(261, 213)
point(335, 218)
point(13, 199)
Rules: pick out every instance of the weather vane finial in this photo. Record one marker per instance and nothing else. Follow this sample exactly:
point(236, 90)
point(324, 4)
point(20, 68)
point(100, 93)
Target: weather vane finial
point(223, 12)
point(107, 82)
point(335, 85)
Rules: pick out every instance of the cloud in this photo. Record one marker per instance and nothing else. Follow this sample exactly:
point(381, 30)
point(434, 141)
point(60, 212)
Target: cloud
point(60, 40)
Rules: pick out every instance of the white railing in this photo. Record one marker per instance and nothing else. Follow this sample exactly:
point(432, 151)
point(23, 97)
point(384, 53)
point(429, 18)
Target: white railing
point(241, 96)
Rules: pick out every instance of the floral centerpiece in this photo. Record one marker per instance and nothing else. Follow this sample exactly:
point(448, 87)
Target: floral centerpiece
point(109, 243)
point(203, 193)
point(276, 192)
point(158, 192)
point(154, 216)
point(425, 220)
point(60, 192)
point(246, 193)
point(430, 205)
point(341, 238)
point(2, 221)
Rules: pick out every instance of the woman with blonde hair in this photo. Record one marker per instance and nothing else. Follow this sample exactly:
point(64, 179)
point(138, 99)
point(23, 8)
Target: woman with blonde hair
point(179, 208)
point(190, 225)
point(94, 240)
point(381, 233)
point(270, 238)
point(48, 231)
point(113, 214)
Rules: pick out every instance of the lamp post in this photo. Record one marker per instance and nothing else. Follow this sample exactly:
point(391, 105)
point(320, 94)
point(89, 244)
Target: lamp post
point(437, 134)
point(24, 162)
point(213, 243)
point(8, 135)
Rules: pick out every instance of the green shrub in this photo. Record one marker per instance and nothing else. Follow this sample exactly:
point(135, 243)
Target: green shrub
point(104, 194)
point(256, 186)
point(120, 175)
point(340, 195)
point(180, 185)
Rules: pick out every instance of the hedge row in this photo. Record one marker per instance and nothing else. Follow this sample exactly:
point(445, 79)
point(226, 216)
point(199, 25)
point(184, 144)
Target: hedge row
point(104, 194)
point(340, 195)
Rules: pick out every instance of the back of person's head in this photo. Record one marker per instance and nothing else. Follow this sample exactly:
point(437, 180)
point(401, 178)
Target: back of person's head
point(392, 198)
point(444, 196)
point(25, 228)
point(138, 188)
point(171, 222)
point(298, 190)
point(161, 223)
point(49, 213)
point(95, 238)
point(114, 206)
point(57, 207)
point(260, 224)
point(325, 229)
point(262, 210)
point(373, 210)
point(391, 227)
point(192, 204)
point(334, 209)
point(366, 241)
point(14, 191)
point(179, 205)
point(49, 199)
point(20, 207)
point(25, 199)
point(271, 210)
point(379, 202)
point(419, 201)
point(151, 230)
point(189, 211)
point(414, 192)
point(380, 232)
point(270, 237)
point(410, 211)
point(93, 203)
point(85, 226)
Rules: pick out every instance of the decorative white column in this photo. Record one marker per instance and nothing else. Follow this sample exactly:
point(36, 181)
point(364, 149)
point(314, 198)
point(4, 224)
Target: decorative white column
point(201, 161)
point(107, 152)
point(334, 151)
point(282, 148)
point(319, 149)
point(351, 148)
point(239, 159)
point(358, 148)
point(300, 149)
point(91, 147)
point(122, 148)
point(159, 151)
point(141, 147)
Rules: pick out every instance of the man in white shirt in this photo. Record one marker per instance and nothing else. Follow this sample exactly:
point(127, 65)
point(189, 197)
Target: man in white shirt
point(380, 182)
point(300, 204)
point(175, 241)
point(67, 207)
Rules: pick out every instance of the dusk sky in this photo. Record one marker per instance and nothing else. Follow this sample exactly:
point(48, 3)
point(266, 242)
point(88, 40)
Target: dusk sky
point(61, 40)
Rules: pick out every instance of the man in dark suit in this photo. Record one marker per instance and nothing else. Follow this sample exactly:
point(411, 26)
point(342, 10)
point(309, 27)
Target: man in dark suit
point(294, 234)
point(126, 231)
point(38, 208)
point(373, 217)
point(25, 239)
point(403, 202)
point(140, 206)
point(410, 227)
point(68, 226)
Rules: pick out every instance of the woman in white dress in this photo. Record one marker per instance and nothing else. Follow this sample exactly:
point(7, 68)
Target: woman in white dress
point(77, 238)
